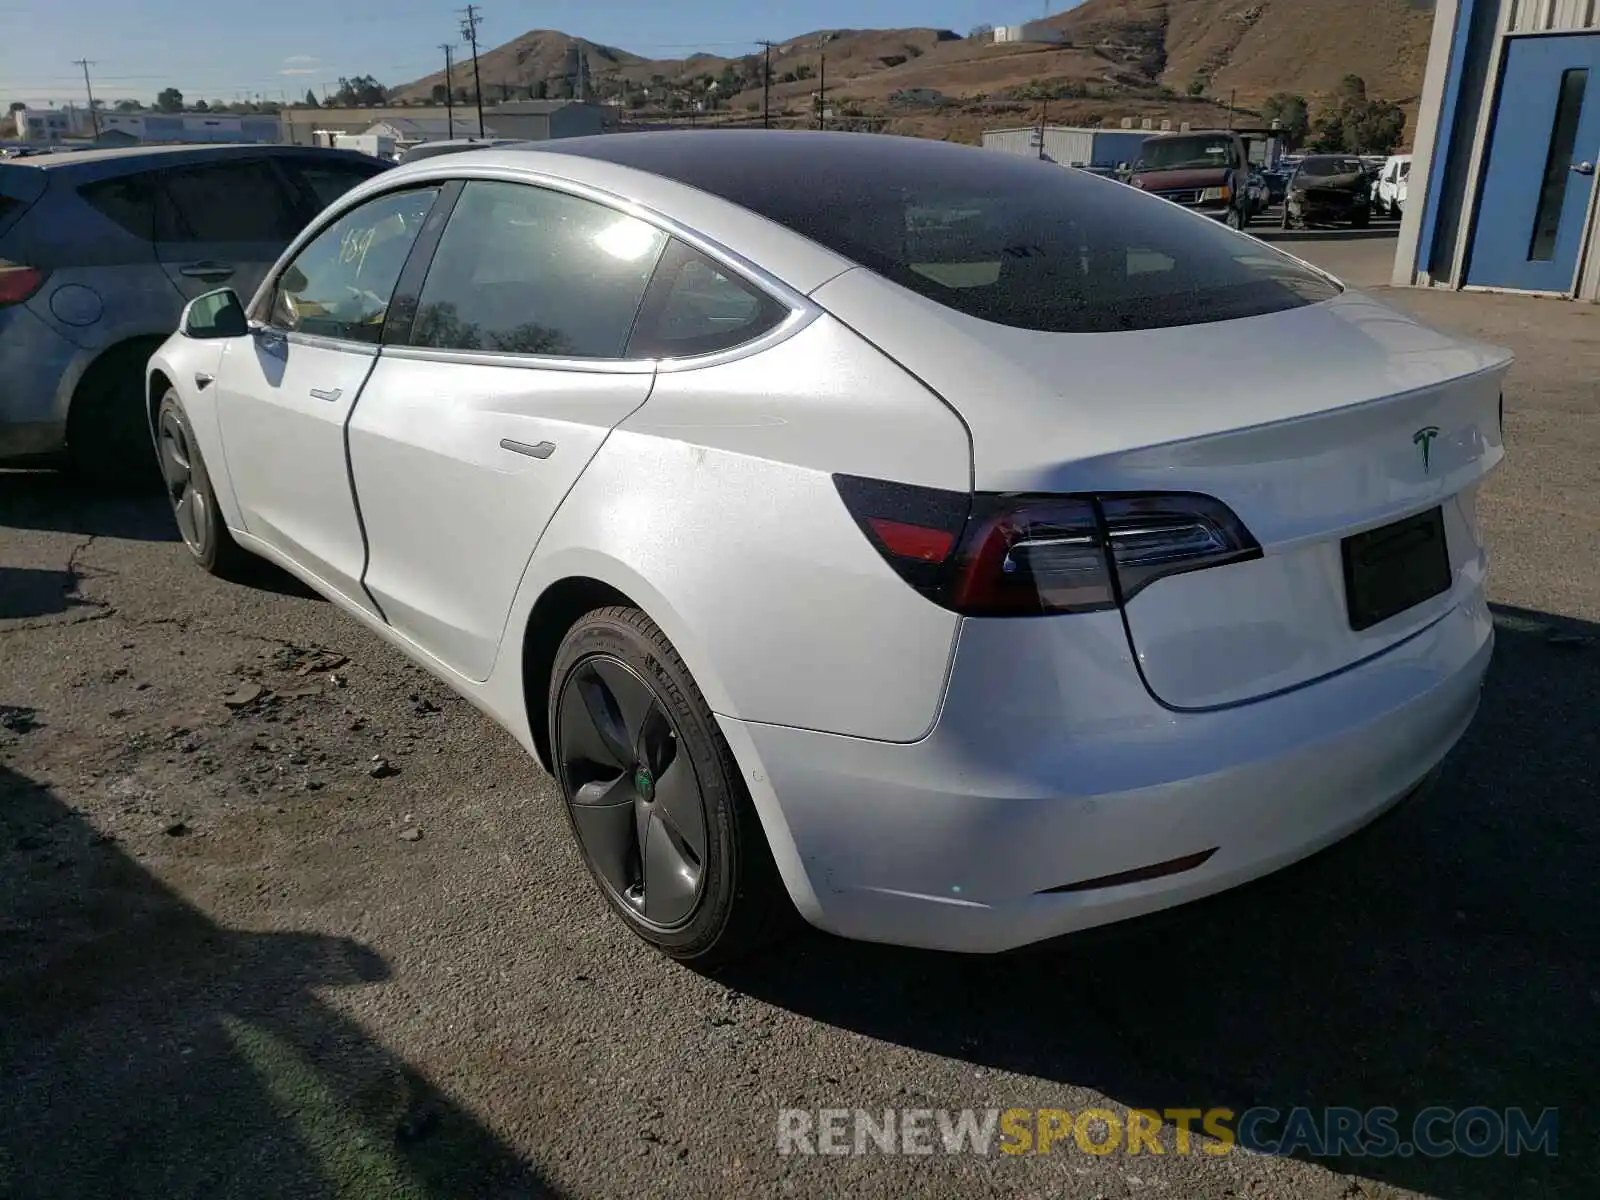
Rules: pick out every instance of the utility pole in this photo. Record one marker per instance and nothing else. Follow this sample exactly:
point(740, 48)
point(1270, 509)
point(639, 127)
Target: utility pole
point(1044, 108)
point(469, 30)
point(822, 91)
point(766, 88)
point(1232, 96)
point(449, 91)
point(94, 117)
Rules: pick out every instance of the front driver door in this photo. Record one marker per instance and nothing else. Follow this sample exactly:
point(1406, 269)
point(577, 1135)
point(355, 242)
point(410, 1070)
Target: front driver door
point(515, 371)
point(285, 393)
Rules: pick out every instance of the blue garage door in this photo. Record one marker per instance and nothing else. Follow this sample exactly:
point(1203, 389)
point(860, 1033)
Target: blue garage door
point(1546, 139)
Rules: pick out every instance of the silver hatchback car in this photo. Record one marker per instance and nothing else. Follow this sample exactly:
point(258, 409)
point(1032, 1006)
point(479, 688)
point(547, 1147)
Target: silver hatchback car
point(99, 252)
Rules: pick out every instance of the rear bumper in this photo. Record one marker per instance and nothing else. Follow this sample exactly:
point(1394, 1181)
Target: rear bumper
point(36, 364)
point(1047, 769)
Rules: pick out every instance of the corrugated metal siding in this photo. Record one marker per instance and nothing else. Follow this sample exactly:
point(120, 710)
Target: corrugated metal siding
point(1543, 16)
point(1069, 147)
point(1012, 141)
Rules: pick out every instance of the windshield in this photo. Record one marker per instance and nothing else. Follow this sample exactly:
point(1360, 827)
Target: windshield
point(1180, 153)
point(1330, 166)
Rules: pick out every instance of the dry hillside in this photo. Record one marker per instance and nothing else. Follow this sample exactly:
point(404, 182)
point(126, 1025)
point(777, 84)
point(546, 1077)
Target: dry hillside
point(1122, 58)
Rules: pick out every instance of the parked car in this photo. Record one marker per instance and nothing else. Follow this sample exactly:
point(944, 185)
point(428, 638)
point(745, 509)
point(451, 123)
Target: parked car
point(1277, 185)
point(99, 252)
point(1207, 171)
point(876, 527)
point(1328, 188)
point(1258, 194)
point(1390, 196)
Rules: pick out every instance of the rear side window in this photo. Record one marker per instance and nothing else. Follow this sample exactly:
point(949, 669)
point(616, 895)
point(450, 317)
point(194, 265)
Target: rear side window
point(527, 270)
point(1032, 245)
point(129, 201)
point(694, 306)
point(327, 181)
point(226, 202)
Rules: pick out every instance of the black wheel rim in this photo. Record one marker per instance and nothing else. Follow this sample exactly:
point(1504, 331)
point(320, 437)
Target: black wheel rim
point(182, 477)
point(633, 793)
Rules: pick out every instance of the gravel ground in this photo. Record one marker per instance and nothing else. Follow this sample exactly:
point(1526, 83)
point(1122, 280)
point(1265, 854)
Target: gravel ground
point(281, 917)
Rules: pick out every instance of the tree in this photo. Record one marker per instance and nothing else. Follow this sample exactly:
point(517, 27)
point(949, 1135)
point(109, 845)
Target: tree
point(201, 106)
point(1292, 115)
point(1351, 87)
point(1357, 123)
point(17, 106)
point(981, 31)
point(1197, 87)
point(363, 89)
point(311, 99)
point(541, 90)
point(127, 106)
point(169, 100)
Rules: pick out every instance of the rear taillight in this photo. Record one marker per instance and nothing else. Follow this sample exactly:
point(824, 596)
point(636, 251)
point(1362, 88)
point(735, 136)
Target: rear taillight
point(1018, 555)
point(18, 283)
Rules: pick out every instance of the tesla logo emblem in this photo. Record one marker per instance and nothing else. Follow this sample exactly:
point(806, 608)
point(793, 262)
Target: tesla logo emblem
point(1423, 440)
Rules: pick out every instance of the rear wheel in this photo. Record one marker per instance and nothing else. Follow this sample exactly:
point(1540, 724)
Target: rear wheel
point(188, 487)
point(1236, 218)
point(108, 431)
point(654, 797)
point(1361, 218)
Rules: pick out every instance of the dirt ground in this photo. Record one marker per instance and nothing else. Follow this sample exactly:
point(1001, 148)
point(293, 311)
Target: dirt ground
point(279, 916)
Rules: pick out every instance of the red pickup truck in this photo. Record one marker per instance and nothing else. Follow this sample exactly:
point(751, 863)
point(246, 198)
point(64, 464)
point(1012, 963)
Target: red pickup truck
point(1206, 170)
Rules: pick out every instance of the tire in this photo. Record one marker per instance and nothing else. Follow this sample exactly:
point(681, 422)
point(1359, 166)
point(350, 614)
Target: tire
point(1235, 218)
point(187, 485)
point(1361, 218)
point(1284, 222)
point(654, 797)
point(108, 430)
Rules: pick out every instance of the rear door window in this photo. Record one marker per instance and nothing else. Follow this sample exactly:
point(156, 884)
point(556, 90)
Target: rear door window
point(234, 201)
point(324, 182)
point(527, 270)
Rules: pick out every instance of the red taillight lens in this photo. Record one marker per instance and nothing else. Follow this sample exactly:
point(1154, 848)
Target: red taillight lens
point(18, 282)
point(1017, 556)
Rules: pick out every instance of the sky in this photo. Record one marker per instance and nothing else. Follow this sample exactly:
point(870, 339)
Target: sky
point(280, 48)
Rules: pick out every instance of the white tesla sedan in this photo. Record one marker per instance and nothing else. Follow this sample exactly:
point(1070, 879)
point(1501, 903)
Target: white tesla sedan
point(919, 537)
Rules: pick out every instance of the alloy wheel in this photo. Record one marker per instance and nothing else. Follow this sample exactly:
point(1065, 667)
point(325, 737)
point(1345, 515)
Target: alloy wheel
point(632, 791)
point(184, 488)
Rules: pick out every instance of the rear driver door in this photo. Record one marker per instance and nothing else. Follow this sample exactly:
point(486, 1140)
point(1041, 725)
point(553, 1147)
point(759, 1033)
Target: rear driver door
point(223, 224)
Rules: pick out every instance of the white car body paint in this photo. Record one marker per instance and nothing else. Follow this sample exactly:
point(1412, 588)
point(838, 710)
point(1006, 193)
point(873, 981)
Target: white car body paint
point(925, 778)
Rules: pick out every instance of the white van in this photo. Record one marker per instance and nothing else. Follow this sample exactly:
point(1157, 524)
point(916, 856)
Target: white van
point(1391, 194)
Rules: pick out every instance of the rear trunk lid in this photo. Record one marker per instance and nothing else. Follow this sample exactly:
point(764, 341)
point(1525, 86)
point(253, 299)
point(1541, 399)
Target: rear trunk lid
point(1313, 425)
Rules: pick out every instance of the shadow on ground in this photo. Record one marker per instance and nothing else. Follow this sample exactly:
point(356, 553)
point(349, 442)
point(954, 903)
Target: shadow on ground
point(149, 1052)
point(1449, 955)
point(60, 502)
point(1325, 233)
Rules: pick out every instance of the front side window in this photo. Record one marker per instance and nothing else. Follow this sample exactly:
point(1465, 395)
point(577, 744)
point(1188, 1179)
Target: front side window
point(527, 270)
point(226, 202)
point(340, 283)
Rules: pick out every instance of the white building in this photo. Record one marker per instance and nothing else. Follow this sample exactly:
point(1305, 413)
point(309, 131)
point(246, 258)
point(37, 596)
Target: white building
point(50, 124)
point(189, 127)
point(1029, 31)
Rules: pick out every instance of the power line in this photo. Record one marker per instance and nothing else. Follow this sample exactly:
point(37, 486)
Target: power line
point(449, 88)
point(94, 117)
point(469, 30)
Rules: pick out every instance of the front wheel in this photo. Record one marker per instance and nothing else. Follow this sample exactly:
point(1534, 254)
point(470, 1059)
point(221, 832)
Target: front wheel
point(188, 487)
point(1236, 218)
point(1360, 218)
point(654, 797)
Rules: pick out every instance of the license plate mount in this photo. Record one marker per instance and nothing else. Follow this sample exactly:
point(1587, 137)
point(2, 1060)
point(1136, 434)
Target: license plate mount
point(1395, 567)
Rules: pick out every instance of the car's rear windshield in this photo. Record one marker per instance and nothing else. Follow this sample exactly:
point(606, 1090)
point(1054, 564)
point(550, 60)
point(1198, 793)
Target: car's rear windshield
point(1330, 166)
point(1184, 153)
point(1033, 245)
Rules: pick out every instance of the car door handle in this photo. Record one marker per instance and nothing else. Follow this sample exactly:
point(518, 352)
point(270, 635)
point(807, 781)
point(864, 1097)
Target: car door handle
point(328, 394)
point(211, 272)
point(1583, 168)
point(542, 450)
point(202, 381)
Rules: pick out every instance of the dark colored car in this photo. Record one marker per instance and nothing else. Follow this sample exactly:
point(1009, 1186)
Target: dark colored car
point(1328, 189)
point(99, 252)
point(1207, 171)
point(1277, 186)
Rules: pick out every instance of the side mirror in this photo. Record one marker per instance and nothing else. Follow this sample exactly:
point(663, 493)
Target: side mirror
point(218, 314)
